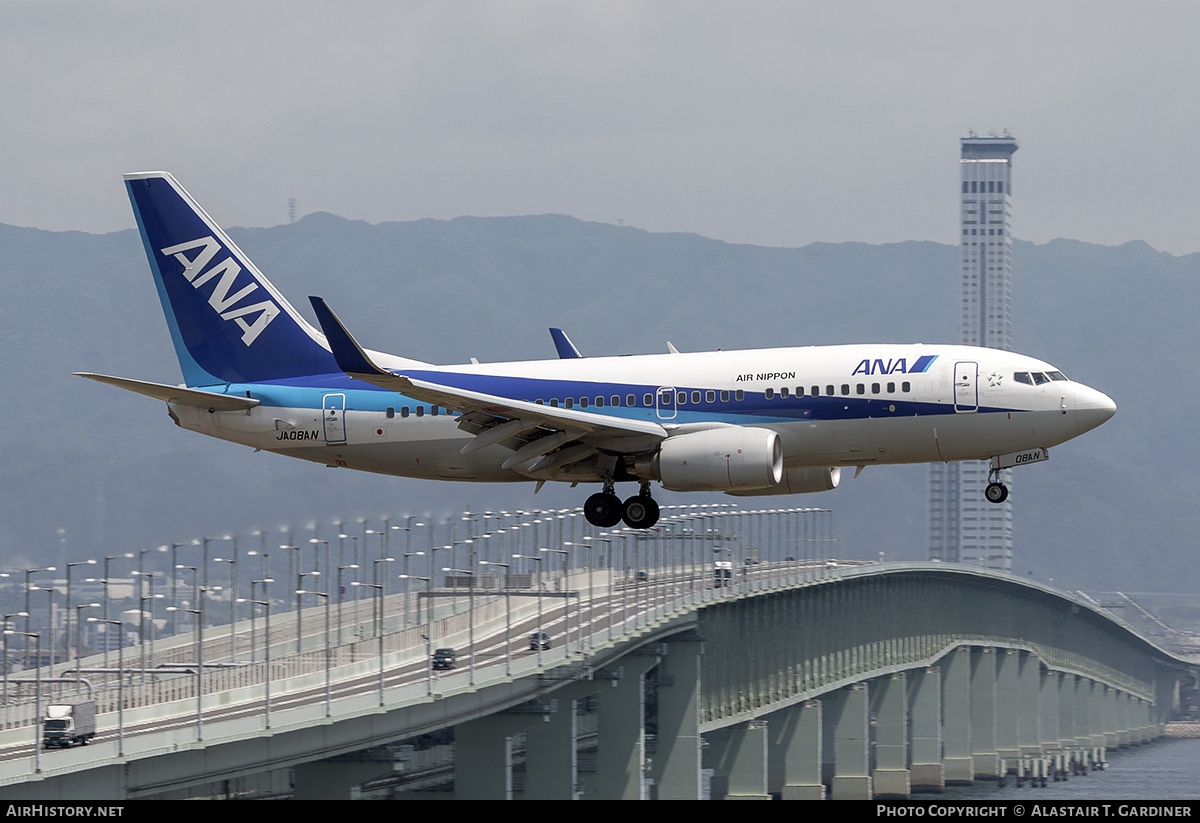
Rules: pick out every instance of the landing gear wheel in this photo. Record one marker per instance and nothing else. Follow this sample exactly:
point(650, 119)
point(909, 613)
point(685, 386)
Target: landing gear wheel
point(996, 492)
point(603, 509)
point(641, 512)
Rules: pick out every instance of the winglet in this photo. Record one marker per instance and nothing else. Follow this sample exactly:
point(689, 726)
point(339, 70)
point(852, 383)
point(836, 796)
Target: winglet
point(566, 349)
point(349, 355)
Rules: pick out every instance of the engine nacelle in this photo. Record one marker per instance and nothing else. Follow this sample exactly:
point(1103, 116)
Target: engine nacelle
point(798, 481)
point(723, 459)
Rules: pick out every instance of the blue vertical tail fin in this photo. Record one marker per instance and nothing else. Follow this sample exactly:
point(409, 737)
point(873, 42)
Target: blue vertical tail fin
point(228, 323)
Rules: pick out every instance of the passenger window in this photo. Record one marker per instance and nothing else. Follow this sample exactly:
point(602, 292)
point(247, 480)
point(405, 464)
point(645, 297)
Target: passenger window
point(569, 403)
point(554, 402)
point(391, 412)
point(696, 397)
point(784, 392)
point(540, 402)
point(404, 411)
point(648, 399)
point(724, 396)
point(816, 391)
point(420, 411)
point(681, 398)
point(769, 394)
point(710, 396)
point(615, 400)
point(664, 399)
point(860, 389)
point(905, 386)
point(433, 410)
point(583, 402)
point(799, 391)
point(829, 391)
point(891, 388)
point(845, 388)
point(874, 388)
point(739, 395)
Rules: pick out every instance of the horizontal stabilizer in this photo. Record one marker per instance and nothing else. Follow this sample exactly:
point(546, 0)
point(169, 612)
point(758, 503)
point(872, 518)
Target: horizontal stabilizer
point(176, 394)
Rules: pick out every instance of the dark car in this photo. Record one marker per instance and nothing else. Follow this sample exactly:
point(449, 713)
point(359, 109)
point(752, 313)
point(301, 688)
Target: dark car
point(539, 640)
point(444, 658)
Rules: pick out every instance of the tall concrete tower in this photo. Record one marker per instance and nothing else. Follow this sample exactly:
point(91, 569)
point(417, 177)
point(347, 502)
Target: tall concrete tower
point(963, 526)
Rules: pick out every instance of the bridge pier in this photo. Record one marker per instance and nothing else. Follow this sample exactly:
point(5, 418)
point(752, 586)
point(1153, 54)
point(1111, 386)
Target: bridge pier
point(891, 777)
point(927, 773)
point(622, 741)
point(483, 752)
point(738, 754)
point(794, 752)
point(956, 709)
point(1028, 703)
point(984, 760)
point(847, 725)
point(1008, 705)
point(675, 766)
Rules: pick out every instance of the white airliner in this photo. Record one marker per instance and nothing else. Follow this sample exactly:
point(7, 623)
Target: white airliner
point(759, 422)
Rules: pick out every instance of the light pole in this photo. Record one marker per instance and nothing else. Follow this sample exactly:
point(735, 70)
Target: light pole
point(379, 589)
point(199, 664)
point(428, 630)
point(69, 603)
point(328, 657)
point(266, 604)
point(566, 559)
point(232, 561)
point(37, 723)
point(538, 559)
point(120, 680)
point(79, 638)
point(507, 617)
point(27, 633)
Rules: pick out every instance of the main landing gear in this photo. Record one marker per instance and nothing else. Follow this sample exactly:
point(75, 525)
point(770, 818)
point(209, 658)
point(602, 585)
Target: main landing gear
point(605, 509)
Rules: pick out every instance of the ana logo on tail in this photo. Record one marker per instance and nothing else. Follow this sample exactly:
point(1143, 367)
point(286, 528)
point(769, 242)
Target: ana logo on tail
point(220, 299)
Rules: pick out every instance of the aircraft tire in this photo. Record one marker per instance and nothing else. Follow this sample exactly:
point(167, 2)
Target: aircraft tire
point(996, 492)
point(640, 512)
point(603, 510)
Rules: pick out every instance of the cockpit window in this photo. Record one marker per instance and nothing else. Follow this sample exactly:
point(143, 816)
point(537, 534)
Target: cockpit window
point(1057, 375)
point(1023, 377)
point(1040, 378)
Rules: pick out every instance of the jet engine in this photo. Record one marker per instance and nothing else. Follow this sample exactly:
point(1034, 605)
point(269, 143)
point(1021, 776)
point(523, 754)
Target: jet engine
point(723, 459)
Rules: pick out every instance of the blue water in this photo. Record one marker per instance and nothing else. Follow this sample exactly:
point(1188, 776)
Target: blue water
point(1167, 769)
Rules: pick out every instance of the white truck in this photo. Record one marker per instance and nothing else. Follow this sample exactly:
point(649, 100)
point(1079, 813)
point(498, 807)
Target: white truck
point(68, 723)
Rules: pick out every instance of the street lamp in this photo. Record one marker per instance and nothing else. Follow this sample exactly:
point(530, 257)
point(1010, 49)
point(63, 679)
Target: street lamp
point(266, 604)
point(327, 650)
point(37, 723)
point(120, 680)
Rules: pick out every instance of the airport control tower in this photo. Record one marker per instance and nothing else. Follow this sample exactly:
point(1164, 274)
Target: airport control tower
point(963, 526)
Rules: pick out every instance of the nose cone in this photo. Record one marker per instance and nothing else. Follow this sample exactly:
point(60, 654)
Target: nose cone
point(1092, 407)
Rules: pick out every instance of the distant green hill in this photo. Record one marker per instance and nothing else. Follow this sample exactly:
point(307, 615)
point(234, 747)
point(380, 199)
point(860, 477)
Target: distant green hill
point(1114, 509)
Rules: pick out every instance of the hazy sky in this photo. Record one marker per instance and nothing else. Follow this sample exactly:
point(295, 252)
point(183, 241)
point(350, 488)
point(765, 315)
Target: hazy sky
point(753, 122)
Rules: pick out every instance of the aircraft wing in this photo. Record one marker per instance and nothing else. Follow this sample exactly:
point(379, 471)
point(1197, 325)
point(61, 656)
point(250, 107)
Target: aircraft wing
point(176, 394)
point(492, 418)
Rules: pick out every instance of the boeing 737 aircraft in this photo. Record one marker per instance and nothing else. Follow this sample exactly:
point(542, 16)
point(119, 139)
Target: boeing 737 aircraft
point(759, 422)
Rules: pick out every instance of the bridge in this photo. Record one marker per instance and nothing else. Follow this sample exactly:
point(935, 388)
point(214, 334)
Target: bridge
point(772, 670)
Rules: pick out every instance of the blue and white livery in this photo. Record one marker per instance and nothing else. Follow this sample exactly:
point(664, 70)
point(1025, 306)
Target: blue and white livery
point(759, 422)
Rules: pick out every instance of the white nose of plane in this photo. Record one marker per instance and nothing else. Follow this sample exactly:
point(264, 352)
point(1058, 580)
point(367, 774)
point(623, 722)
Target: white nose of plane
point(1091, 407)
